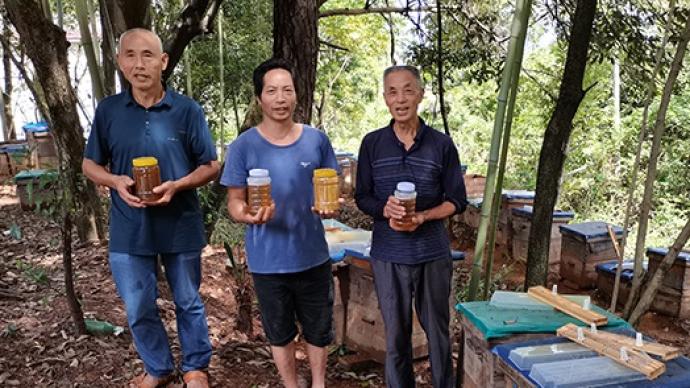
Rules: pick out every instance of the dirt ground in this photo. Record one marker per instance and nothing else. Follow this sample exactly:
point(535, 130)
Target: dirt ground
point(38, 346)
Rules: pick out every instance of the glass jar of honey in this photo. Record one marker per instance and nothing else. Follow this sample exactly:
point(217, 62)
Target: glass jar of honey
point(146, 175)
point(407, 196)
point(258, 190)
point(326, 190)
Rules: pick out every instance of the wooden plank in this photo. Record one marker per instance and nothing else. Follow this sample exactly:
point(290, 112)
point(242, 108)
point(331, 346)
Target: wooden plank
point(665, 352)
point(566, 306)
point(636, 360)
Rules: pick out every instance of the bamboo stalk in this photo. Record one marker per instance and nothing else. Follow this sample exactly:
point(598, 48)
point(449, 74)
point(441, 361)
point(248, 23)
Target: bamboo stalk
point(519, 24)
point(619, 269)
point(87, 44)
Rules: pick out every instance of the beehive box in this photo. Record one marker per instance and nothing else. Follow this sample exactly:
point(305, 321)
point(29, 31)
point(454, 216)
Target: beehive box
point(348, 173)
point(474, 185)
point(19, 157)
point(35, 188)
point(606, 275)
point(5, 164)
point(41, 145)
point(510, 199)
point(583, 246)
point(521, 222)
point(673, 297)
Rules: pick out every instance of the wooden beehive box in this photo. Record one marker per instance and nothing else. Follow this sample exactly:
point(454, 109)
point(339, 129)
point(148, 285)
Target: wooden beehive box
point(521, 222)
point(474, 185)
point(583, 246)
point(673, 297)
point(18, 156)
point(606, 275)
point(363, 328)
point(35, 188)
point(510, 199)
point(41, 145)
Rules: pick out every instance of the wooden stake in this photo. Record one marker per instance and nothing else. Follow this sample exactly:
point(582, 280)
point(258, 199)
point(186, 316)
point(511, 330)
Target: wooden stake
point(619, 269)
point(566, 306)
point(635, 359)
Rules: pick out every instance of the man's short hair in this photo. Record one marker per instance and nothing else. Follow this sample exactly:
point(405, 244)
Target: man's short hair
point(265, 67)
point(138, 29)
point(411, 69)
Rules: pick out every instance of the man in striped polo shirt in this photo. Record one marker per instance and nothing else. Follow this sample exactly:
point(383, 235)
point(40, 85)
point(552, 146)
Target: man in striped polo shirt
point(411, 260)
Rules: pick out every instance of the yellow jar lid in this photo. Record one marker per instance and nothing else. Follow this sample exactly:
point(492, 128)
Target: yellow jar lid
point(325, 173)
point(145, 161)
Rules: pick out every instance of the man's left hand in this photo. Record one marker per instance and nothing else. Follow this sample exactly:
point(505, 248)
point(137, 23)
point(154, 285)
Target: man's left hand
point(417, 219)
point(167, 190)
point(329, 214)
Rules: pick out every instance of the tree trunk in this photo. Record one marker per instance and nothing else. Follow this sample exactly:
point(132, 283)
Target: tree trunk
point(553, 151)
point(651, 90)
point(72, 300)
point(46, 46)
point(296, 39)
point(439, 65)
point(9, 131)
point(653, 285)
point(107, 50)
point(659, 129)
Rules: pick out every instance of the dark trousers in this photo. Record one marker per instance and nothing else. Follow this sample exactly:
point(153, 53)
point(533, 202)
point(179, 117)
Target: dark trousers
point(429, 284)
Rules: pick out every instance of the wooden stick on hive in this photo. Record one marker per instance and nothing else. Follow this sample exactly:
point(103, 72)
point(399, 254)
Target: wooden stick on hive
point(566, 306)
point(636, 360)
point(665, 352)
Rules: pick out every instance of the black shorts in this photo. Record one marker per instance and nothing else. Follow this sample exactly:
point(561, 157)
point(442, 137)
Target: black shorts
point(306, 295)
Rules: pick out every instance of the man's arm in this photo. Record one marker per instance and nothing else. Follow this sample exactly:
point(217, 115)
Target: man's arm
point(200, 176)
point(120, 183)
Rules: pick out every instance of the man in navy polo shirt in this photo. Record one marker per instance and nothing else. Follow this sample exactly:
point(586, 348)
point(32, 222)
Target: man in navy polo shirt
point(411, 262)
point(151, 120)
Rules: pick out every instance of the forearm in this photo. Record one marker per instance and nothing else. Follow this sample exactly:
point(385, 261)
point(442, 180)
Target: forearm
point(199, 177)
point(97, 173)
point(442, 211)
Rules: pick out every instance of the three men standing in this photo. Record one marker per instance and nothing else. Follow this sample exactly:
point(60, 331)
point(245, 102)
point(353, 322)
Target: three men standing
point(411, 260)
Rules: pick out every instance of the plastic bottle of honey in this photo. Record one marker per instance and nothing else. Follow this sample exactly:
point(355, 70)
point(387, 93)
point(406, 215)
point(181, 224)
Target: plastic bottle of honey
point(326, 190)
point(258, 190)
point(407, 196)
point(146, 175)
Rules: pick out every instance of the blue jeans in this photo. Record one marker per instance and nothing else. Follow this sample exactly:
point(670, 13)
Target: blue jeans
point(135, 279)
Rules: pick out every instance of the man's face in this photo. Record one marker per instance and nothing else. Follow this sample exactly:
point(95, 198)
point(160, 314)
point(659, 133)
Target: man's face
point(141, 60)
point(402, 94)
point(278, 98)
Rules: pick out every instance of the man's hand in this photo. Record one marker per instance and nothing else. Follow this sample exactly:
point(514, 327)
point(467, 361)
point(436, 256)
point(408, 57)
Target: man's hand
point(328, 214)
point(417, 219)
point(167, 190)
point(393, 209)
point(122, 184)
point(262, 216)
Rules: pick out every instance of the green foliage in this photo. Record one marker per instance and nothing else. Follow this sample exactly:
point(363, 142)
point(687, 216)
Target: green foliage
point(34, 274)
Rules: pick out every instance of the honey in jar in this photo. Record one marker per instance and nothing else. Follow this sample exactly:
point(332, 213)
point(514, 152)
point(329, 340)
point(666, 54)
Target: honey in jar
point(146, 175)
point(258, 190)
point(326, 190)
point(406, 194)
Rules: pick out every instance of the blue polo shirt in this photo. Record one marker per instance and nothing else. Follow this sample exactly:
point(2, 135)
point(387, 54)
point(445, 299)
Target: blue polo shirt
point(293, 240)
point(175, 132)
point(432, 164)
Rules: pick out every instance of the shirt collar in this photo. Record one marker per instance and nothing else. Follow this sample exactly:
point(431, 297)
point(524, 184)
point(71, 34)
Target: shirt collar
point(165, 102)
point(423, 129)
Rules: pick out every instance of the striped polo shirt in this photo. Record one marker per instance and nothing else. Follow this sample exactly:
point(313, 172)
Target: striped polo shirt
point(432, 164)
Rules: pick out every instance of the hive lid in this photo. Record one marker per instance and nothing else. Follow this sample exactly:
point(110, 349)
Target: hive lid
point(590, 230)
point(528, 211)
point(37, 127)
point(682, 255)
point(31, 174)
point(518, 194)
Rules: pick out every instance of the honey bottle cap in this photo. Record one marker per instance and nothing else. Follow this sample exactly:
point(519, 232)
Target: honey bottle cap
point(406, 187)
point(325, 173)
point(145, 161)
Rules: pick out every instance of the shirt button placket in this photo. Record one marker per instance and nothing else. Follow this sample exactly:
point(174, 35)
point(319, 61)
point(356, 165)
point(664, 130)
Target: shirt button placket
point(147, 120)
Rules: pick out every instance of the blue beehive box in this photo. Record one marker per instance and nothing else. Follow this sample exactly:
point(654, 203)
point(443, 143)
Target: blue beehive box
point(673, 296)
point(35, 187)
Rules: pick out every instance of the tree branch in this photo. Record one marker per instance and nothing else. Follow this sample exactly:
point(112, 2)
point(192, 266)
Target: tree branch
point(381, 10)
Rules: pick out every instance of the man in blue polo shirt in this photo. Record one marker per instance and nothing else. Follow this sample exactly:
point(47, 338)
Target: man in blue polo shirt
point(286, 245)
point(411, 261)
point(151, 120)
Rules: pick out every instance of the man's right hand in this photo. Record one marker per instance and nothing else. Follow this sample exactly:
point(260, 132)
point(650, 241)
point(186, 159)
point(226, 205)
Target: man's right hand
point(264, 214)
point(123, 183)
point(393, 209)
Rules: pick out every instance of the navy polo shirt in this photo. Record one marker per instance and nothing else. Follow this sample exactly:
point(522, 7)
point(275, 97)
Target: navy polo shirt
point(432, 164)
point(175, 132)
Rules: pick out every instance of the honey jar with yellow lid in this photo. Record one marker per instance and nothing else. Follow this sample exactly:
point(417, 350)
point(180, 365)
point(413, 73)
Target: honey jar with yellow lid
point(146, 175)
point(326, 190)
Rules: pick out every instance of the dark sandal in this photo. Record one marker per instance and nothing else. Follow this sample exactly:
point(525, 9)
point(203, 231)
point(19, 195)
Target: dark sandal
point(140, 381)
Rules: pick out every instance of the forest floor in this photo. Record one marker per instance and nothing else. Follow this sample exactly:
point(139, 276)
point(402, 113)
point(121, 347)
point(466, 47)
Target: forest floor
point(39, 347)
